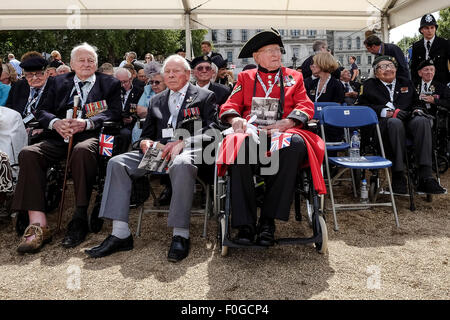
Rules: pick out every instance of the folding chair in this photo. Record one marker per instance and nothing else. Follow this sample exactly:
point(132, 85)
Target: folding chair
point(355, 117)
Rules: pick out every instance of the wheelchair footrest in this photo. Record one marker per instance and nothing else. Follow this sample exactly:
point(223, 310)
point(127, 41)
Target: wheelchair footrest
point(292, 241)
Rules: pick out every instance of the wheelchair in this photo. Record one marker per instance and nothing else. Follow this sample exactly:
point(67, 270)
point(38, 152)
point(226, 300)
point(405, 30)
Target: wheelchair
point(55, 178)
point(304, 191)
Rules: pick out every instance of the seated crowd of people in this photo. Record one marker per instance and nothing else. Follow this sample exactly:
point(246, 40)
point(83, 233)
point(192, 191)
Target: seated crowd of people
point(171, 96)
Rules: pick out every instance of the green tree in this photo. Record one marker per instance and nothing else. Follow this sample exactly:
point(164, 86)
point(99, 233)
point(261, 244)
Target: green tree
point(407, 42)
point(444, 24)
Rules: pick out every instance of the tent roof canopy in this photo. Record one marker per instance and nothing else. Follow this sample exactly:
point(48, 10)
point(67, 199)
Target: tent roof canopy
point(214, 14)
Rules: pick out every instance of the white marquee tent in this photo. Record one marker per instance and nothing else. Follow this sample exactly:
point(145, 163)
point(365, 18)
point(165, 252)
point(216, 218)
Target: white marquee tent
point(214, 14)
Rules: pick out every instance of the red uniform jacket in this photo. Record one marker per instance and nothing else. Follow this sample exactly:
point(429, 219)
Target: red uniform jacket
point(297, 106)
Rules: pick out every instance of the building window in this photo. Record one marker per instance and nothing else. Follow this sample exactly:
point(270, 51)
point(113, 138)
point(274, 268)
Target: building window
point(229, 34)
point(358, 59)
point(295, 33)
point(369, 59)
point(311, 33)
point(281, 32)
point(214, 35)
point(230, 56)
point(245, 61)
point(244, 35)
point(341, 43)
point(358, 43)
point(341, 60)
point(349, 44)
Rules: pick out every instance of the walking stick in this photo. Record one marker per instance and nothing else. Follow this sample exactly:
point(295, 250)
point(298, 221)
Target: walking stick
point(76, 100)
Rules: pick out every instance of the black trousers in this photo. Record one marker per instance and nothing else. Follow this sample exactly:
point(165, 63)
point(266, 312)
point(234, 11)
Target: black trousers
point(279, 186)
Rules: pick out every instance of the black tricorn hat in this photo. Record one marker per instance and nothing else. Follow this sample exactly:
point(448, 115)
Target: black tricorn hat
point(219, 61)
point(427, 20)
point(260, 40)
point(34, 64)
point(425, 63)
point(200, 59)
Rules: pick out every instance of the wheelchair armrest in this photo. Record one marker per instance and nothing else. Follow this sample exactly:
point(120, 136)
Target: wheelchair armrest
point(33, 124)
point(111, 124)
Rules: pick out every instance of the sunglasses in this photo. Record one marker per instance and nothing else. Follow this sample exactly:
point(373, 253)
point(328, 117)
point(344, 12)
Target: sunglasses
point(154, 82)
point(203, 68)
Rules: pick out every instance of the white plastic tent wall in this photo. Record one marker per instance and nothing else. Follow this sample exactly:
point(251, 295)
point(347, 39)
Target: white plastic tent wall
point(214, 14)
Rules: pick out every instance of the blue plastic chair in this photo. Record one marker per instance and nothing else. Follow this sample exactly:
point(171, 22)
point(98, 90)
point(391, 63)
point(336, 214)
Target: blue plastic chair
point(355, 117)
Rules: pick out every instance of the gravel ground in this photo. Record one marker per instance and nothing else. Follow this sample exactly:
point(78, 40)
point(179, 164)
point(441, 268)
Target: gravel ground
point(368, 258)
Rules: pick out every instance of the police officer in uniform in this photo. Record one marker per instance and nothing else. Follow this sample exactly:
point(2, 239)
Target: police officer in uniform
point(394, 99)
point(269, 80)
point(431, 47)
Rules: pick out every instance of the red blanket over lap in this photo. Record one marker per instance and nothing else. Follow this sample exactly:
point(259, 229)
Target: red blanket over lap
point(314, 144)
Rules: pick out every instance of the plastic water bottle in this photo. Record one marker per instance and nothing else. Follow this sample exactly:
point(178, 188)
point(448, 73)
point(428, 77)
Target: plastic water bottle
point(354, 147)
point(364, 192)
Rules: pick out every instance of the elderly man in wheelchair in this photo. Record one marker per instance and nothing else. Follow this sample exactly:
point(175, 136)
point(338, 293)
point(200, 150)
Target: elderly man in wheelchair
point(100, 102)
point(396, 103)
point(274, 98)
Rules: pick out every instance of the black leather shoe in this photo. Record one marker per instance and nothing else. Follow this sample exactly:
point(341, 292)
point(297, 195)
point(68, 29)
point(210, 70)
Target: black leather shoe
point(266, 230)
point(399, 185)
point(179, 249)
point(245, 235)
point(76, 233)
point(165, 196)
point(430, 186)
point(110, 245)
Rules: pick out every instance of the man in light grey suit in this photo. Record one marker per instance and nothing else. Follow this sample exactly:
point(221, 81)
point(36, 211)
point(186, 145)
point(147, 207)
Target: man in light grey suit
point(170, 109)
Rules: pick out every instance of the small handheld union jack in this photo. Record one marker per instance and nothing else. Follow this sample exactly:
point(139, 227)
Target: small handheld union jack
point(280, 140)
point(106, 144)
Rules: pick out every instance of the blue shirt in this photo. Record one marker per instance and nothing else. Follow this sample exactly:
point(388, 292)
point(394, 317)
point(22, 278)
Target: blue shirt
point(4, 92)
point(143, 102)
point(15, 63)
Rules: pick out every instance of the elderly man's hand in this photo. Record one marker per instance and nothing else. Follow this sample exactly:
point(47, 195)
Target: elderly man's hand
point(172, 149)
point(239, 124)
point(145, 145)
point(127, 120)
point(77, 125)
point(63, 128)
point(280, 125)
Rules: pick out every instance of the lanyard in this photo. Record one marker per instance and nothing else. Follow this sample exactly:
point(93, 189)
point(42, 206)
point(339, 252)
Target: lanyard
point(32, 103)
point(391, 91)
point(281, 101)
point(267, 92)
point(177, 108)
point(82, 97)
point(324, 87)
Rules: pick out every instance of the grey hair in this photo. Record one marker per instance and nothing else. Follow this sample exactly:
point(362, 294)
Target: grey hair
point(63, 66)
point(122, 70)
point(84, 46)
point(319, 44)
point(152, 67)
point(176, 58)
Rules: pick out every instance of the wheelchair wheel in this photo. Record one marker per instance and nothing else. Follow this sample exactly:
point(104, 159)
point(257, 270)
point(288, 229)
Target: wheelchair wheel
point(95, 223)
point(222, 233)
point(320, 226)
point(442, 163)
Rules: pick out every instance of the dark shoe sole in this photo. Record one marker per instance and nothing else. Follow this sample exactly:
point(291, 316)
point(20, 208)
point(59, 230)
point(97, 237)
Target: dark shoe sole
point(94, 256)
point(171, 259)
point(73, 245)
point(265, 243)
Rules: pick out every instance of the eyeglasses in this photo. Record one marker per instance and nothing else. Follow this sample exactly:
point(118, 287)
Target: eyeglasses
point(37, 74)
point(154, 82)
point(147, 58)
point(386, 66)
point(125, 81)
point(274, 51)
point(203, 68)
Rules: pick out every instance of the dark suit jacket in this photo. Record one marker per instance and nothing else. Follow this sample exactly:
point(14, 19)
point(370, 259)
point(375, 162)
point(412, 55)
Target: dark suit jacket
point(158, 111)
point(55, 104)
point(375, 95)
point(356, 86)
point(439, 53)
point(133, 97)
point(390, 49)
point(221, 91)
point(19, 93)
point(333, 93)
point(441, 95)
point(306, 70)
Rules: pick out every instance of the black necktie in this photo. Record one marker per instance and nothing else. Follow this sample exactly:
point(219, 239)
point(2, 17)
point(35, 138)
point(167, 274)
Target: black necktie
point(347, 87)
point(428, 45)
point(389, 86)
point(425, 87)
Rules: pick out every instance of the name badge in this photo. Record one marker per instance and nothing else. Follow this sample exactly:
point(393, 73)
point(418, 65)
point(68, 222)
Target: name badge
point(28, 118)
point(167, 133)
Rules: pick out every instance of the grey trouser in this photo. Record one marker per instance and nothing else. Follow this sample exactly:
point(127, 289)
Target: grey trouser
point(116, 193)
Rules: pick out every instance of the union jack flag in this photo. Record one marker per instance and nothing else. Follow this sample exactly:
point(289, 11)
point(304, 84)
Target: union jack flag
point(280, 140)
point(106, 144)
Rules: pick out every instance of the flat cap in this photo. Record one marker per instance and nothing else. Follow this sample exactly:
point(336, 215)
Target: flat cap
point(199, 60)
point(384, 58)
point(34, 64)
